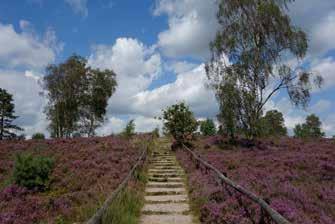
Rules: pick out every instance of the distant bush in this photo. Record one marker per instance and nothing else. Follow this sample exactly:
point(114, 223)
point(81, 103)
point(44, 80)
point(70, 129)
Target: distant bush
point(180, 122)
point(38, 136)
point(155, 133)
point(32, 172)
point(129, 130)
point(310, 129)
point(207, 127)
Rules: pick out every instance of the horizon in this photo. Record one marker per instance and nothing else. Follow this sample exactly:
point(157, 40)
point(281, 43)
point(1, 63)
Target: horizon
point(157, 49)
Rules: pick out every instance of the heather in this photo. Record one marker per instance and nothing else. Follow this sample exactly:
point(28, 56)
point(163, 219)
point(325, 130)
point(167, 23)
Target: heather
point(85, 171)
point(296, 177)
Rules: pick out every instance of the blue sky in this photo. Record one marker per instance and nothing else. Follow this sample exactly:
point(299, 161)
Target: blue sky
point(157, 48)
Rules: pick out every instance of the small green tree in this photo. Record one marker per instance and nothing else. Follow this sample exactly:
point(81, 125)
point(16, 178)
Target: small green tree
point(155, 133)
point(207, 127)
point(7, 116)
point(310, 129)
point(38, 136)
point(179, 121)
point(273, 124)
point(32, 172)
point(129, 130)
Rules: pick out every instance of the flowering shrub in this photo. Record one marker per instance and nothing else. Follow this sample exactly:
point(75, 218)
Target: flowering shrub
point(296, 178)
point(85, 171)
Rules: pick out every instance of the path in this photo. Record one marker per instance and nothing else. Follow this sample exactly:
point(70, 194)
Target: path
point(166, 200)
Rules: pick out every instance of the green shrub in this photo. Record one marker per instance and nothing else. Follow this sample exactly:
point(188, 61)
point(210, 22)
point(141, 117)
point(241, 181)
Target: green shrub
point(129, 130)
point(207, 127)
point(38, 136)
point(32, 172)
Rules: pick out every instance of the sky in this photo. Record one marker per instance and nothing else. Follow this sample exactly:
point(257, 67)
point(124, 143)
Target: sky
point(157, 48)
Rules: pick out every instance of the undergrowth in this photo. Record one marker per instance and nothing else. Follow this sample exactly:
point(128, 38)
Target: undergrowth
point(126, 209)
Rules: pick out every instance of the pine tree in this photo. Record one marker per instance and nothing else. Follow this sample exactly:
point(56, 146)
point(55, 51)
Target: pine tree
point(7, 116)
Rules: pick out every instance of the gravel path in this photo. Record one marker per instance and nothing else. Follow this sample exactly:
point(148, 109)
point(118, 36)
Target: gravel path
point(166, 200)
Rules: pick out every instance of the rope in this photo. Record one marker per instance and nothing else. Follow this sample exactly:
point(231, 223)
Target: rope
point(276, 217)
point(96, 218)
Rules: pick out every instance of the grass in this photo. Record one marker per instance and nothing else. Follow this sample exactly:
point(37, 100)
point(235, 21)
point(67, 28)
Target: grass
point(126, 209)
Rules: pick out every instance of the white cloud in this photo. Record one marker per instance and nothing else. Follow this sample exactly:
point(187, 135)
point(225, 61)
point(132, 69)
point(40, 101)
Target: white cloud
point(192, 26)
point(26, 48)
point(321, 106)
point(112, 126)
point(29, 104)
point(317, 18)
point(325, 68)
point(78, 6)
point(180, 66)
point(136, 67)
point(189, 87)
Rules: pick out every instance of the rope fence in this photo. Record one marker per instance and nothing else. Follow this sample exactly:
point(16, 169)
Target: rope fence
point(97, 217)
point(266, 211)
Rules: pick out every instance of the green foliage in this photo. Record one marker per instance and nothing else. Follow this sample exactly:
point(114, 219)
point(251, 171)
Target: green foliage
point(32, 172)
point(7, 116)
point(310, 129)
point(248, 65)
point(155, 133)
point(129, 130)
point(126, 209)
point(273, 124)
point(38, 136)
point(207, 127)
point(179, 121)
point(78, 96)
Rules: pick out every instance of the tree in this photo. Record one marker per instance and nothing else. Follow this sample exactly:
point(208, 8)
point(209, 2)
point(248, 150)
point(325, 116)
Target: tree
point(129, 130)
point(7, 116)
point(179, 121)
point(155, 133)
point(273, 124)
point(38, 136)
point(310, 129)
point(228, 97)
point(207, 127)
point(101, 86)
point(249, 54)
point(78, 96)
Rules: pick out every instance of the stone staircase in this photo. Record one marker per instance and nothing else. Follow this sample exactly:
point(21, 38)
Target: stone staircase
point(166, 200)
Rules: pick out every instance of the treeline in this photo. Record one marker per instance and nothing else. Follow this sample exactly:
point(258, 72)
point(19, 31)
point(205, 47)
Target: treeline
point(179, 121)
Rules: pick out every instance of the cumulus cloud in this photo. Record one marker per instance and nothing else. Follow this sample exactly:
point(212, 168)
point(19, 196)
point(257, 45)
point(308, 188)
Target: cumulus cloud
point(26, 49)
point(317, 19)
point(136, 67)
point(325, 68)
point(192, 26)
point(189, 87)
point(29, 104)
point(78, 6)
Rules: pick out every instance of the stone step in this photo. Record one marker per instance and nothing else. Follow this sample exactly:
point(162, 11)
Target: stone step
point(166, 208)
point(165, 175)
point(166, 185)
point(166, 198)
point(166, 219)
point(164, 191)
point(170, 179)
point(165, 171)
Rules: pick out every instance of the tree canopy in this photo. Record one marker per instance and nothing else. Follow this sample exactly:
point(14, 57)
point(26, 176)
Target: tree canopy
point(207, 127)
point(250, 58)
point(7, 128)
point(310, 129)
point(273, 124)
point(179, 121)
point(78, 96)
